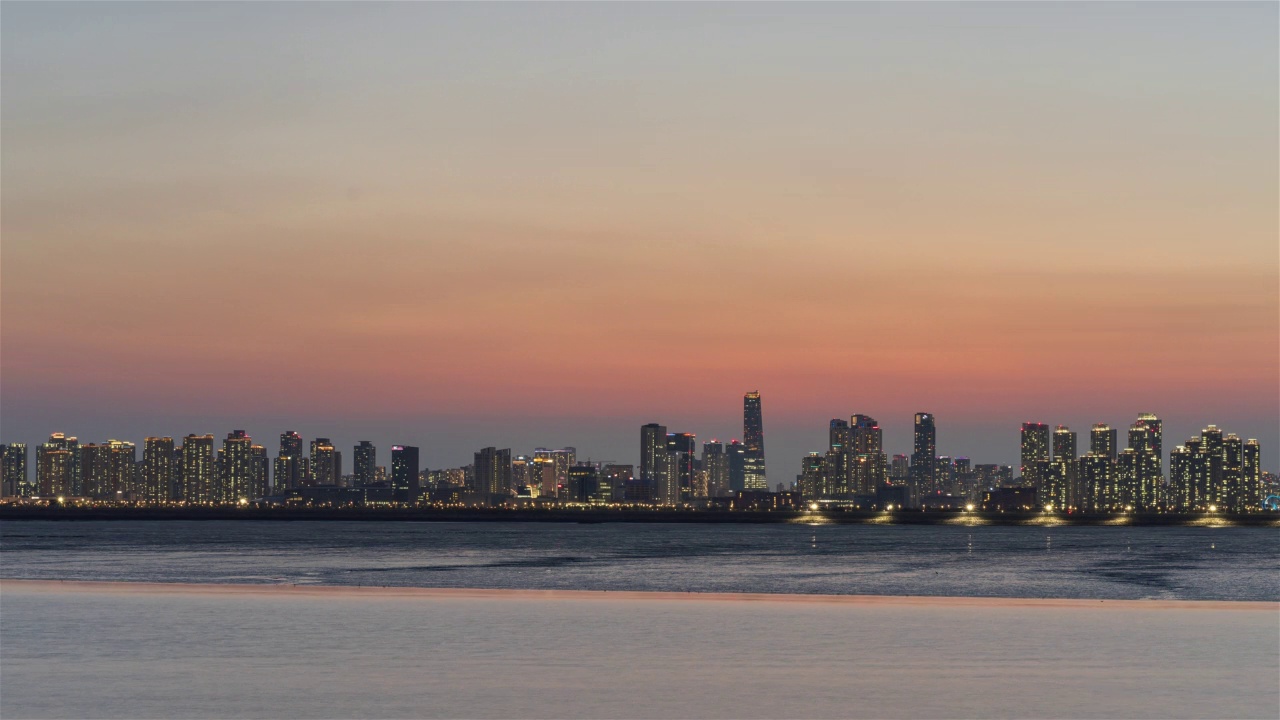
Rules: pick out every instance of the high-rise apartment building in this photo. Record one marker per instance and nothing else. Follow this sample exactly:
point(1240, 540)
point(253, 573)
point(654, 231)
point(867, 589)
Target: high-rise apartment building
point(365, 470)
point(684, 447)
point(812, 476)
point(653, 453)
point(493, 473)
point(754, 475)
point(289, 463)
point(737, 453)
point(1102, 441)
point(13, 477)
point(405, 466)
point(199, 483)
point(715, 463)
point(1148, 434)
point(237, 470)
point(924, 455)
point(1035, 454)
point(259, 472)
point(837, 435)
point(324, 463)
point(158, 471)
point(66, 469)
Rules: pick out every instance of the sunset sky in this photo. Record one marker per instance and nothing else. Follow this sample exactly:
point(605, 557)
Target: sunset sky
point(459, 225)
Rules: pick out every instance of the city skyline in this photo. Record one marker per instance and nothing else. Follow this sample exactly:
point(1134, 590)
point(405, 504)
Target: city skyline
point(1045, 212)
point(1037, 446)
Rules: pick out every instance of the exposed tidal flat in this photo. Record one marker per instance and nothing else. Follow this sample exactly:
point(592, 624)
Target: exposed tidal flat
point(361, 619)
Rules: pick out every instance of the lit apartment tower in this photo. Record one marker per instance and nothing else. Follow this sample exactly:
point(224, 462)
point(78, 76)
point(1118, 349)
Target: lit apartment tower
point(684, 445)
point(924, 455)
point(1212, 444)
point(561, 461)
point(365, 458)
point(95, 471)
point(944, 475)
point(1233, 484)
point(1180, 494)
point(237, 471)
point(653, 453)
point(838, 435)
point(668, 488)
point(53, 471)
point(900, 470)
point(1102, 440)
point(522, 474)
point(493, 473)
point(324, 463)
point(199, 484)
point(754, 475)
point(869, 466)
point(59, 441)
point(619, 477)
point(157, 469)
point(1097, 482)
point(1061, 474)
point(737, 453)
point(123, 459)
point(964, 477)
point(288, 473)
point(812, 476)
point(1251, 470)
point(1155, 440)
point(837, 474)
point(14, 475)
point(716, 465)
point(543, 472)
point(259, 472)
point(1035, 451)
point(1137, 480)
point(405, 466)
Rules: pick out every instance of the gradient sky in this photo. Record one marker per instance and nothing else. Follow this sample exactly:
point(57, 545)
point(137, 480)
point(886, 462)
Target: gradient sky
point(457, 225)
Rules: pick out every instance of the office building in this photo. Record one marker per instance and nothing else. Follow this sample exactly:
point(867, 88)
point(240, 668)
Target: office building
point(684, 447)
point(754, 475)
point(405, 467)
point(715, 463)
point(365, 459)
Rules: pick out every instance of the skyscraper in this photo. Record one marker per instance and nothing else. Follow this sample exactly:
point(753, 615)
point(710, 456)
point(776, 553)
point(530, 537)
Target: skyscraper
point(14, 475)
point(405, 466)
point(653, 452)
point(868, 464)
point(1102, 441)
point(812, 475)
point(289, 463)
point(716, 464)
point(157, 469)
point(324, 462)
point(754, 474)
point(1251, 469)
point(366, 464)
point(67, 468)
point(1035, 454)
point(53, 471)
point(259, 473)
point(1151, 437)
point(95, 472)
point(198, 482)
point(493, 473)
point(737, 454)
point(837, 435)
point(237, 470)
point(924, 455)
point(684, 447)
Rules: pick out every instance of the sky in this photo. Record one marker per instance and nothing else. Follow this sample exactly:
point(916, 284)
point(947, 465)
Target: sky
point(522, 225)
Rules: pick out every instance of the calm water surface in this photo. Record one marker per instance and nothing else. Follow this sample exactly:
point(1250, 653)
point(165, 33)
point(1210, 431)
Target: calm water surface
point(1195, 563)
point(70, 654)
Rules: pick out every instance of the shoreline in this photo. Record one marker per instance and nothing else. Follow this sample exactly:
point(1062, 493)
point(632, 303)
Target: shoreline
point(427, 593)
point(26, 512)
